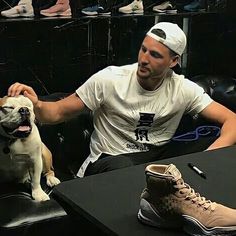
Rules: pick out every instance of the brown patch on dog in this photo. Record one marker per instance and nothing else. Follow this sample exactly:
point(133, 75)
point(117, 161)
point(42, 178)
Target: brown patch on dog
point(47, 161)
point(3, 101)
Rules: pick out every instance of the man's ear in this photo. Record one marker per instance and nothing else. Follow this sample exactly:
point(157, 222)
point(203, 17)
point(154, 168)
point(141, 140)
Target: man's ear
point(174, 61)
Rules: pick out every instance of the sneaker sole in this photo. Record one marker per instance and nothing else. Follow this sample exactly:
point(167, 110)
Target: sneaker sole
point(193, 227)
point(48, 14)
point(171, 11)
point(159, 10)
point(104, 14)
point(54, 14)
point(165, 11)
point(190, 225)
point(17, 15)
point(131, 12)
point(195, 10)
point(149, 216)
point(89, 13)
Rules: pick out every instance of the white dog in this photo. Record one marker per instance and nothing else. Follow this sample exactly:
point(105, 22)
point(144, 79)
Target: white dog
point(20, 142)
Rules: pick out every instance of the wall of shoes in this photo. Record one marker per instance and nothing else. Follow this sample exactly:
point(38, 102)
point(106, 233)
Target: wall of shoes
point(64, 8)
point(57, 54)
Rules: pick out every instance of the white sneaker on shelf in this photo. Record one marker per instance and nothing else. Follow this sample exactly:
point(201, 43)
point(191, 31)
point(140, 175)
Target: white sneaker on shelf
point(135, 7)
point(22, 9)
point(165, 7)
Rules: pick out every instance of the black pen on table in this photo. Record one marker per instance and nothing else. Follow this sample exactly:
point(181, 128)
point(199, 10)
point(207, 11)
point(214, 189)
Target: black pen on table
point(197, 170)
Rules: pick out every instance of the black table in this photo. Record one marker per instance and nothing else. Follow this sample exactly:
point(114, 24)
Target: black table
point(111, 200)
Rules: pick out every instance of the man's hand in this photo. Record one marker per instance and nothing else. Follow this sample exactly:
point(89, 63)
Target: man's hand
point(17, 89)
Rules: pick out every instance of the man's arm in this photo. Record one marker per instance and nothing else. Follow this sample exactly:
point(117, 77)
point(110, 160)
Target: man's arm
point(49, 112)
point(223, 116)
point(59, 111)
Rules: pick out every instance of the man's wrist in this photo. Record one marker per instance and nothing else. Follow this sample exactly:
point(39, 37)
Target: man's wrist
point(37, 106)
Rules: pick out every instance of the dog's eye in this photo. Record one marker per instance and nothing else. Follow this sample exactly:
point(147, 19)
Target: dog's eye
point(6, 109)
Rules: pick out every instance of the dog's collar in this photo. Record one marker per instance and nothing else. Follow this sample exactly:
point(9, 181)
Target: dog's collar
point(6, 143)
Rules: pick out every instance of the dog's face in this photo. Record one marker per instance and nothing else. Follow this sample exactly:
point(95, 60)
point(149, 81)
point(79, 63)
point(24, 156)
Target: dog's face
point(16, 117)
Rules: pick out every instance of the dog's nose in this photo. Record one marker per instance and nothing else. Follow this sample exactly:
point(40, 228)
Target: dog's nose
point(24, 111)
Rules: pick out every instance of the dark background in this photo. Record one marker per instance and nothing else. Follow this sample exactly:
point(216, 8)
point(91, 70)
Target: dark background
point(58, 55)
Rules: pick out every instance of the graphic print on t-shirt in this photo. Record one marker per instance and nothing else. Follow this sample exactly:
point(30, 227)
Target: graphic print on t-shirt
point(145, 121)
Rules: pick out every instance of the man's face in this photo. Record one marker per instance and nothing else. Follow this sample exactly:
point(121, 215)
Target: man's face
point(154, 59)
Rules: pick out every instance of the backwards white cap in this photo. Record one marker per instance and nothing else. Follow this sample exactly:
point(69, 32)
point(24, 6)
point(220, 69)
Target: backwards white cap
point(173, 36)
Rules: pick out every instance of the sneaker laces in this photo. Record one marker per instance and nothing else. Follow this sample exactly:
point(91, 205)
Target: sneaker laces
point(190, 194)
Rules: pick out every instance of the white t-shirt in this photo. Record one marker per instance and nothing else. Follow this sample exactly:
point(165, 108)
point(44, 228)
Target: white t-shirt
point(126, 116)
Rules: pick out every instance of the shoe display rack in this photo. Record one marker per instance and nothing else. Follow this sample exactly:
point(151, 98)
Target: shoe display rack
point(60, 53)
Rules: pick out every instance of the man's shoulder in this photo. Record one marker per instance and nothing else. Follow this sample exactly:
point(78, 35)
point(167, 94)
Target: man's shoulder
point(177, 77)
point(181, 79)
point(117, 71)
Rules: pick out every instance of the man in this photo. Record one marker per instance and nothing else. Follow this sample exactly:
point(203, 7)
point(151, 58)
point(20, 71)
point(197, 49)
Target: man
point(137, 108)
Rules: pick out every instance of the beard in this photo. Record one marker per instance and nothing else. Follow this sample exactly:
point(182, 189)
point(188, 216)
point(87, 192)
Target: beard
point(144, 72)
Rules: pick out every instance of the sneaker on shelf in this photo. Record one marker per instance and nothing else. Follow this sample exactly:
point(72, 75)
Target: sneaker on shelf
point(57, 10)
point(196, 5)
point(104, 11)
point(96, 10)
point(65, 13)
point(91, 11)
point(168, 202)
point(135, 7)
point(165, 7)
point(171, 10)
point(20, 10)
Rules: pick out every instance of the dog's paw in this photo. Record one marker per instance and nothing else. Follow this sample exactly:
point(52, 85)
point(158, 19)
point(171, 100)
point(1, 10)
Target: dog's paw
point(52, 181)
point(39, 195)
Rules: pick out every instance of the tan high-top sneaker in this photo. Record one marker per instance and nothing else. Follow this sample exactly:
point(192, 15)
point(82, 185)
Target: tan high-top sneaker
point(168, 202)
